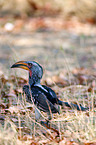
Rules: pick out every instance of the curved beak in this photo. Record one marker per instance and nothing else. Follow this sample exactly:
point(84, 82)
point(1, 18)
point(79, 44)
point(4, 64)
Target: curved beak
point(20, 64)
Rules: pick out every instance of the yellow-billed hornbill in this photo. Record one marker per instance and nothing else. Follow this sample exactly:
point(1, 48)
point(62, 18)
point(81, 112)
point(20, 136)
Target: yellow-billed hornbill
point(44, 97)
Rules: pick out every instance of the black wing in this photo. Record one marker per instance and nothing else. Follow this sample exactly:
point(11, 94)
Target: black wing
point(53, 98)
point(40, 99)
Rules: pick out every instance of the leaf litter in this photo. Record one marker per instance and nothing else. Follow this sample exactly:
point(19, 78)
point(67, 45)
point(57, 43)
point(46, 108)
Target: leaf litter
point(82, 90)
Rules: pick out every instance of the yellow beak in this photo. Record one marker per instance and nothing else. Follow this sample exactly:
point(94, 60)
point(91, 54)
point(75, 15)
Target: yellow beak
point(20, 64)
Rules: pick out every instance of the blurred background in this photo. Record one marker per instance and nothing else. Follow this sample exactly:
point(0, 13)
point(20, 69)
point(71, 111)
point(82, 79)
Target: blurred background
point(60, 35)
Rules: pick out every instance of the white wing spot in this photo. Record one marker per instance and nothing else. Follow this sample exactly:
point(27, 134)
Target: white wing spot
point(39, 85)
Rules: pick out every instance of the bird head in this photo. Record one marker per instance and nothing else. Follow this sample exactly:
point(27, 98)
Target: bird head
point(34, 69)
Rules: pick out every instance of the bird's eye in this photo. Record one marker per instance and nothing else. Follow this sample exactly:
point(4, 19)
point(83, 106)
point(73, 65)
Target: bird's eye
point(30, 64)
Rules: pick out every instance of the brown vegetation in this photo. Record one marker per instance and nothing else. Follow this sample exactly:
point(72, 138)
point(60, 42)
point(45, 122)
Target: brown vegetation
point(73, 127)
point(83, 9)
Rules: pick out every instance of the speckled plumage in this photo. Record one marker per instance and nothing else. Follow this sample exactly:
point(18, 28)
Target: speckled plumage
point(44, 97)
point(44, 100)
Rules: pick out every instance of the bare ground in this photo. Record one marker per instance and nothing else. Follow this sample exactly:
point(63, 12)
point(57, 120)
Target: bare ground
point(55, 51)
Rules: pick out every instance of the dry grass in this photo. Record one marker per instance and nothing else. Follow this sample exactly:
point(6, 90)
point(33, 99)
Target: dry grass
point(8, 133)
point(20, 126)
point(83, 9)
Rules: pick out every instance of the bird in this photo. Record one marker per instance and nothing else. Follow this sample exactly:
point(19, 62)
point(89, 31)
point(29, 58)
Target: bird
point(44, 98)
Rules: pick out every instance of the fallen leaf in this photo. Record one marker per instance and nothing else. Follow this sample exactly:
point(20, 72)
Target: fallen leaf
point(18, 91)
point(90, 143)
point(34, 143)
point(4, 79)
point(49, 82)
point(24, 129)
point(3, 106)
point(10, 95)
point(60, 82)
point(25, 137)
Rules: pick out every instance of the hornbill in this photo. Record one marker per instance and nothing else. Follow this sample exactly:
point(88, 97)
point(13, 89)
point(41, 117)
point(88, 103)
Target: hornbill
point(43, 97)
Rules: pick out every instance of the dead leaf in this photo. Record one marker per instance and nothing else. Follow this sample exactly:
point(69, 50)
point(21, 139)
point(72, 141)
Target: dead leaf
point(10, 95)
point(90, 143)
point(90, 89)
point(3, 106)
point(49, 82)
point(4, 79)
point(24, 129)
point(21, 81)
point(12, 78)
point(34, 143)
point(60, 82)
point(18, 91)
point(82, 79)
point(25, 137)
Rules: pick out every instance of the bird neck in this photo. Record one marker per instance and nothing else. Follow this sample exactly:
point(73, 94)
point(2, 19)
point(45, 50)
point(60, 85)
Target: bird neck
point(33, 80)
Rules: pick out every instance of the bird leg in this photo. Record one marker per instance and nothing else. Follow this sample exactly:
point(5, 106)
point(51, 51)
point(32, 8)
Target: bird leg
point(37, 114)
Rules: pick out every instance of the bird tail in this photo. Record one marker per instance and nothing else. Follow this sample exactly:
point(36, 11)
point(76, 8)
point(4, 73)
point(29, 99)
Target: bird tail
point(73, 106)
